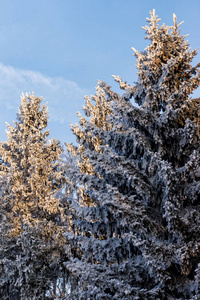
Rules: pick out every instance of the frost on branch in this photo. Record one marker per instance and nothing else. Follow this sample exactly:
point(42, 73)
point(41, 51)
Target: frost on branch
point(32, 243)
point(136, 215)
point(165, 75)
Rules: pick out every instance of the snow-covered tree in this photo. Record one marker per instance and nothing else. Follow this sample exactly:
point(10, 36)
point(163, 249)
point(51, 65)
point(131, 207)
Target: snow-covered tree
point(166, 76)
point(137, 215)
point(31, 175)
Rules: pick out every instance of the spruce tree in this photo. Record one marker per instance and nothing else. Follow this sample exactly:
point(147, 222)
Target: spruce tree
point(32, 243)
point(136, 216)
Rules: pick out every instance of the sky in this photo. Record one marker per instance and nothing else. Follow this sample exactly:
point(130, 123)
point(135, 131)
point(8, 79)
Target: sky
point(60, 48)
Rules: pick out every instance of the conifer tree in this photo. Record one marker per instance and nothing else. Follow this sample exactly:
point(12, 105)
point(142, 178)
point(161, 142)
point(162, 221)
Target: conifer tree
point(32, 244)
point(136, 215)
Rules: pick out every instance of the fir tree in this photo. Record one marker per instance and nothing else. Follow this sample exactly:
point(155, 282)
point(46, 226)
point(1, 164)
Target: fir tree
point(137, 214)
point(32, 243)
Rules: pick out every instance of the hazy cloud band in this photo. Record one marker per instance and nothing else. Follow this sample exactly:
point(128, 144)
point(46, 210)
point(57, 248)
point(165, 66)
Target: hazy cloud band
point(64, 97)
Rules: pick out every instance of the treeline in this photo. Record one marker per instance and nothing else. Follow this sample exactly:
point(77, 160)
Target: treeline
point(118, 216)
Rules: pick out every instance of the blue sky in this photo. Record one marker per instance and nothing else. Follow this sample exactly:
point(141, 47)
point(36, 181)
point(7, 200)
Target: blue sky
point(59, 48)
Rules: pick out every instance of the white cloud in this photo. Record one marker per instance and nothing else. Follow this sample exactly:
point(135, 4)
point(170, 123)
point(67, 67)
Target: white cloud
point(64, 97)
